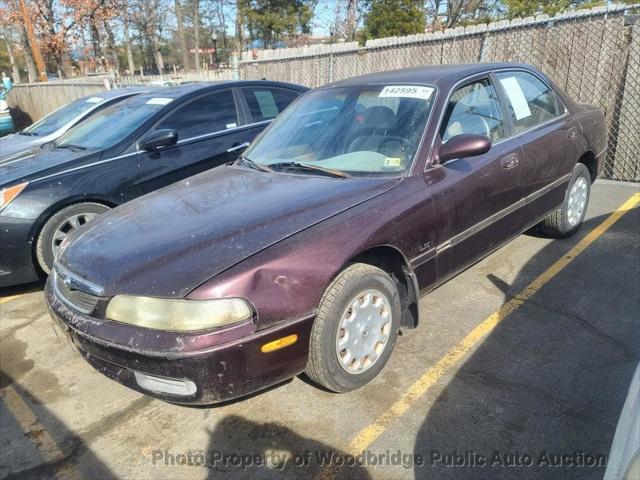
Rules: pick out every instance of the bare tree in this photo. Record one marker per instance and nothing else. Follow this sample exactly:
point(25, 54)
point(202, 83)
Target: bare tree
point(182, 41)
point(196, 32)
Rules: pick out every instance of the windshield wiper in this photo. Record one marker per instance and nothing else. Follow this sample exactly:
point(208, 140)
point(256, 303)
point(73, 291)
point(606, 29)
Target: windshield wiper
point(309, 168)
point(28, 134)
point(254, 165)
point(70, 146)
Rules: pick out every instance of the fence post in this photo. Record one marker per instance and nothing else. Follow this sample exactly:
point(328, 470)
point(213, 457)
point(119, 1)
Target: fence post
point(235, 66)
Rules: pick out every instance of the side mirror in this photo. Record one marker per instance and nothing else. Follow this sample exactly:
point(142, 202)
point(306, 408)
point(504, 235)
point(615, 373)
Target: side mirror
point(464, 145)
point(158, 139)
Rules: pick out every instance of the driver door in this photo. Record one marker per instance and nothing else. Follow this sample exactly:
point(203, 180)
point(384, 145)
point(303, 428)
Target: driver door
point(209, 135)
point(474, 197)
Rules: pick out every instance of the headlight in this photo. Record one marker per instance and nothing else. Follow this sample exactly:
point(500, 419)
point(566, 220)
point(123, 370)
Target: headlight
point(177, 315)
point(8, 194)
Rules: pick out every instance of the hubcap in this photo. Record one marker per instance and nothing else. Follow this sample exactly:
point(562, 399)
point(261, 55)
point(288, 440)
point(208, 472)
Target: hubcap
point(363, 332)
point(68, 226)
point(577, 201)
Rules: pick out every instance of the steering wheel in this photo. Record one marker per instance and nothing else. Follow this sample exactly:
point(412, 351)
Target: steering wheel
point(405, 146)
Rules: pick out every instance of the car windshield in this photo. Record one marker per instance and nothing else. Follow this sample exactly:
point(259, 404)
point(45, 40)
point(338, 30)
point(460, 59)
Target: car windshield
point(364, 130)
point(112, 124)
point(62, 116)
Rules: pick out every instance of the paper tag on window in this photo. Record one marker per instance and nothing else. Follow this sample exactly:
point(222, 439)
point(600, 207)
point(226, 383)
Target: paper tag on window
point(94, 100)
point(231, 125)
point(159, 101)
point(392, 162)
point(407, 91)
point(516, 97)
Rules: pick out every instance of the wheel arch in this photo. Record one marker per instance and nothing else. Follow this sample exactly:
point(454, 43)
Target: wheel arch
point(55, 208)
point(392, 260)
point(588, 159)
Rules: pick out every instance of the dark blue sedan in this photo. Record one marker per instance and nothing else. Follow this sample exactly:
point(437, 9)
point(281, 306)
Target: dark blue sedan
point(124, 151)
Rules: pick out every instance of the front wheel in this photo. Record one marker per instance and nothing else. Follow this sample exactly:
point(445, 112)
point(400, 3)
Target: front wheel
point(355, 329)
point(567, 220)
point(59, 226)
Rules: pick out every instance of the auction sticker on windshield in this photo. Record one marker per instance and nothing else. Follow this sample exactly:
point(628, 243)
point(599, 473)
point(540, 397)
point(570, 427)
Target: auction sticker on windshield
point(402, 91)
point(159, 101)
point(94, 100)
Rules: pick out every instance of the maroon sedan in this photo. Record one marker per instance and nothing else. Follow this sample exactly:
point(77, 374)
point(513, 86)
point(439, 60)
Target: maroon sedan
point(310, 252)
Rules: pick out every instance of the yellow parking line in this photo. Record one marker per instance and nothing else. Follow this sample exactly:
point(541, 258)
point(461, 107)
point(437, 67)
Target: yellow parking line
point(371, 432)
point(9, 298)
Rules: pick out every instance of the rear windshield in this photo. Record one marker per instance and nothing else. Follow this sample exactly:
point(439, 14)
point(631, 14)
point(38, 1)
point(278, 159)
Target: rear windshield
point(63, 116)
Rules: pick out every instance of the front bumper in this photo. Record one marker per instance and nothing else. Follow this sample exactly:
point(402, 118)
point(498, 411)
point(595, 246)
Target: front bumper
point(223, 365)
point(16, 252)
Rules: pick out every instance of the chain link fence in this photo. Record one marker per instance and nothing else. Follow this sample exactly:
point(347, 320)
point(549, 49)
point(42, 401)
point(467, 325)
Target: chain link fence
point(594, 55)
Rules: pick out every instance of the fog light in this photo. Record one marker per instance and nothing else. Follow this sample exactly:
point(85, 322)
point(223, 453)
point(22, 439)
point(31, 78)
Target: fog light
point(170, 386)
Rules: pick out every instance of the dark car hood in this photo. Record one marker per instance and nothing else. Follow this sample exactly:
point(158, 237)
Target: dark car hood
point(16, 143)
point(167, 243)
point(37, 163)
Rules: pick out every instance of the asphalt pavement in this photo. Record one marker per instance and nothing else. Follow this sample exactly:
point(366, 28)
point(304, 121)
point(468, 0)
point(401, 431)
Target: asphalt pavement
point(519, 370)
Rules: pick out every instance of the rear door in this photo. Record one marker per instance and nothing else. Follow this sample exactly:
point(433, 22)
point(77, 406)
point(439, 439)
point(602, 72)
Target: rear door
point(210, 133)
point(264, 103)
point(474, 198)
point(547, 133)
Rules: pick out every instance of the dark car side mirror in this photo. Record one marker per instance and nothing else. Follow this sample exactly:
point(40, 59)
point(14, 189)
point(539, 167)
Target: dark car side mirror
point(158, 139)
point(464, 145)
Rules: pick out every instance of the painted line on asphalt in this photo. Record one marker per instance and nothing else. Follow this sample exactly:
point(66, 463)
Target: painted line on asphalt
point(9, 298)
point(420, 387)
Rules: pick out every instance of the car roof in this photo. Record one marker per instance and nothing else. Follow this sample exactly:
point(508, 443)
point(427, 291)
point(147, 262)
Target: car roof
point(430, 74)
point(119, 92)
point(178, 91)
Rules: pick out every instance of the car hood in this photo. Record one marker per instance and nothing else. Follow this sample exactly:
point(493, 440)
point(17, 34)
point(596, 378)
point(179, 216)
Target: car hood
point(31, 164)
point(16, 143)
point(167, 243)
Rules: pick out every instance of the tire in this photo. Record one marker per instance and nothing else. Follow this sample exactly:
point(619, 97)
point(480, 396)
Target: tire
point(328, 365)
point(567, 220)
point(65, 220)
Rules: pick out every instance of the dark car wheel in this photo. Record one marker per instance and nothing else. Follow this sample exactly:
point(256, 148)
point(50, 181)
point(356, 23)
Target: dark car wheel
point(59, 226)
point(355, 329)
point(567, 220)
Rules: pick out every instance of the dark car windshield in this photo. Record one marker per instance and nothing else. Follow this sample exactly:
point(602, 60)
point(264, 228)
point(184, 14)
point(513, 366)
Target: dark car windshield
point(63, 116)
point(107, 127)
point(358, 130)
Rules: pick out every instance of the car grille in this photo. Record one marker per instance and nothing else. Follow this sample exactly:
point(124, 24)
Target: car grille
point(81, 301)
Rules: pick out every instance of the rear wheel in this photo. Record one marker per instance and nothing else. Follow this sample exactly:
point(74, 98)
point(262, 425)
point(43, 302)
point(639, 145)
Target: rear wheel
point(355, 329)
point(567, 220)
point(59, 226)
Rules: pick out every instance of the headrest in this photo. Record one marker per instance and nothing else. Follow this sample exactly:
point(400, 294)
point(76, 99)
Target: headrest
point(379, 117)
point(467, 123)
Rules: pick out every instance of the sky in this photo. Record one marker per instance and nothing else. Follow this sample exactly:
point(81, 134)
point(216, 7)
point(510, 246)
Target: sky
point(324, 17)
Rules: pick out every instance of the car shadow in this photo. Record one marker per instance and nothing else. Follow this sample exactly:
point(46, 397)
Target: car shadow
point(22, 289)
point(36, 444)
point(548, 384)
point(243, 449)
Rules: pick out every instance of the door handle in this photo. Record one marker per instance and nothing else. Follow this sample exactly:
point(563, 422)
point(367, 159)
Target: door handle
point(510, 161)
point(572, 132)
point(240, 146)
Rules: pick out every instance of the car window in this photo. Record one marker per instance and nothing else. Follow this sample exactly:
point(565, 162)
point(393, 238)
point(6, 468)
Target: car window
point(474, 108)
point(267, 103)
point(61, 117)
point(111, 125)
point(210, 113)
point(529, 100)
point(363, 130)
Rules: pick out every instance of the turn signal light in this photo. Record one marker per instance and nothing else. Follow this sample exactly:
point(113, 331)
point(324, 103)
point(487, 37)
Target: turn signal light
point(279, 343)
